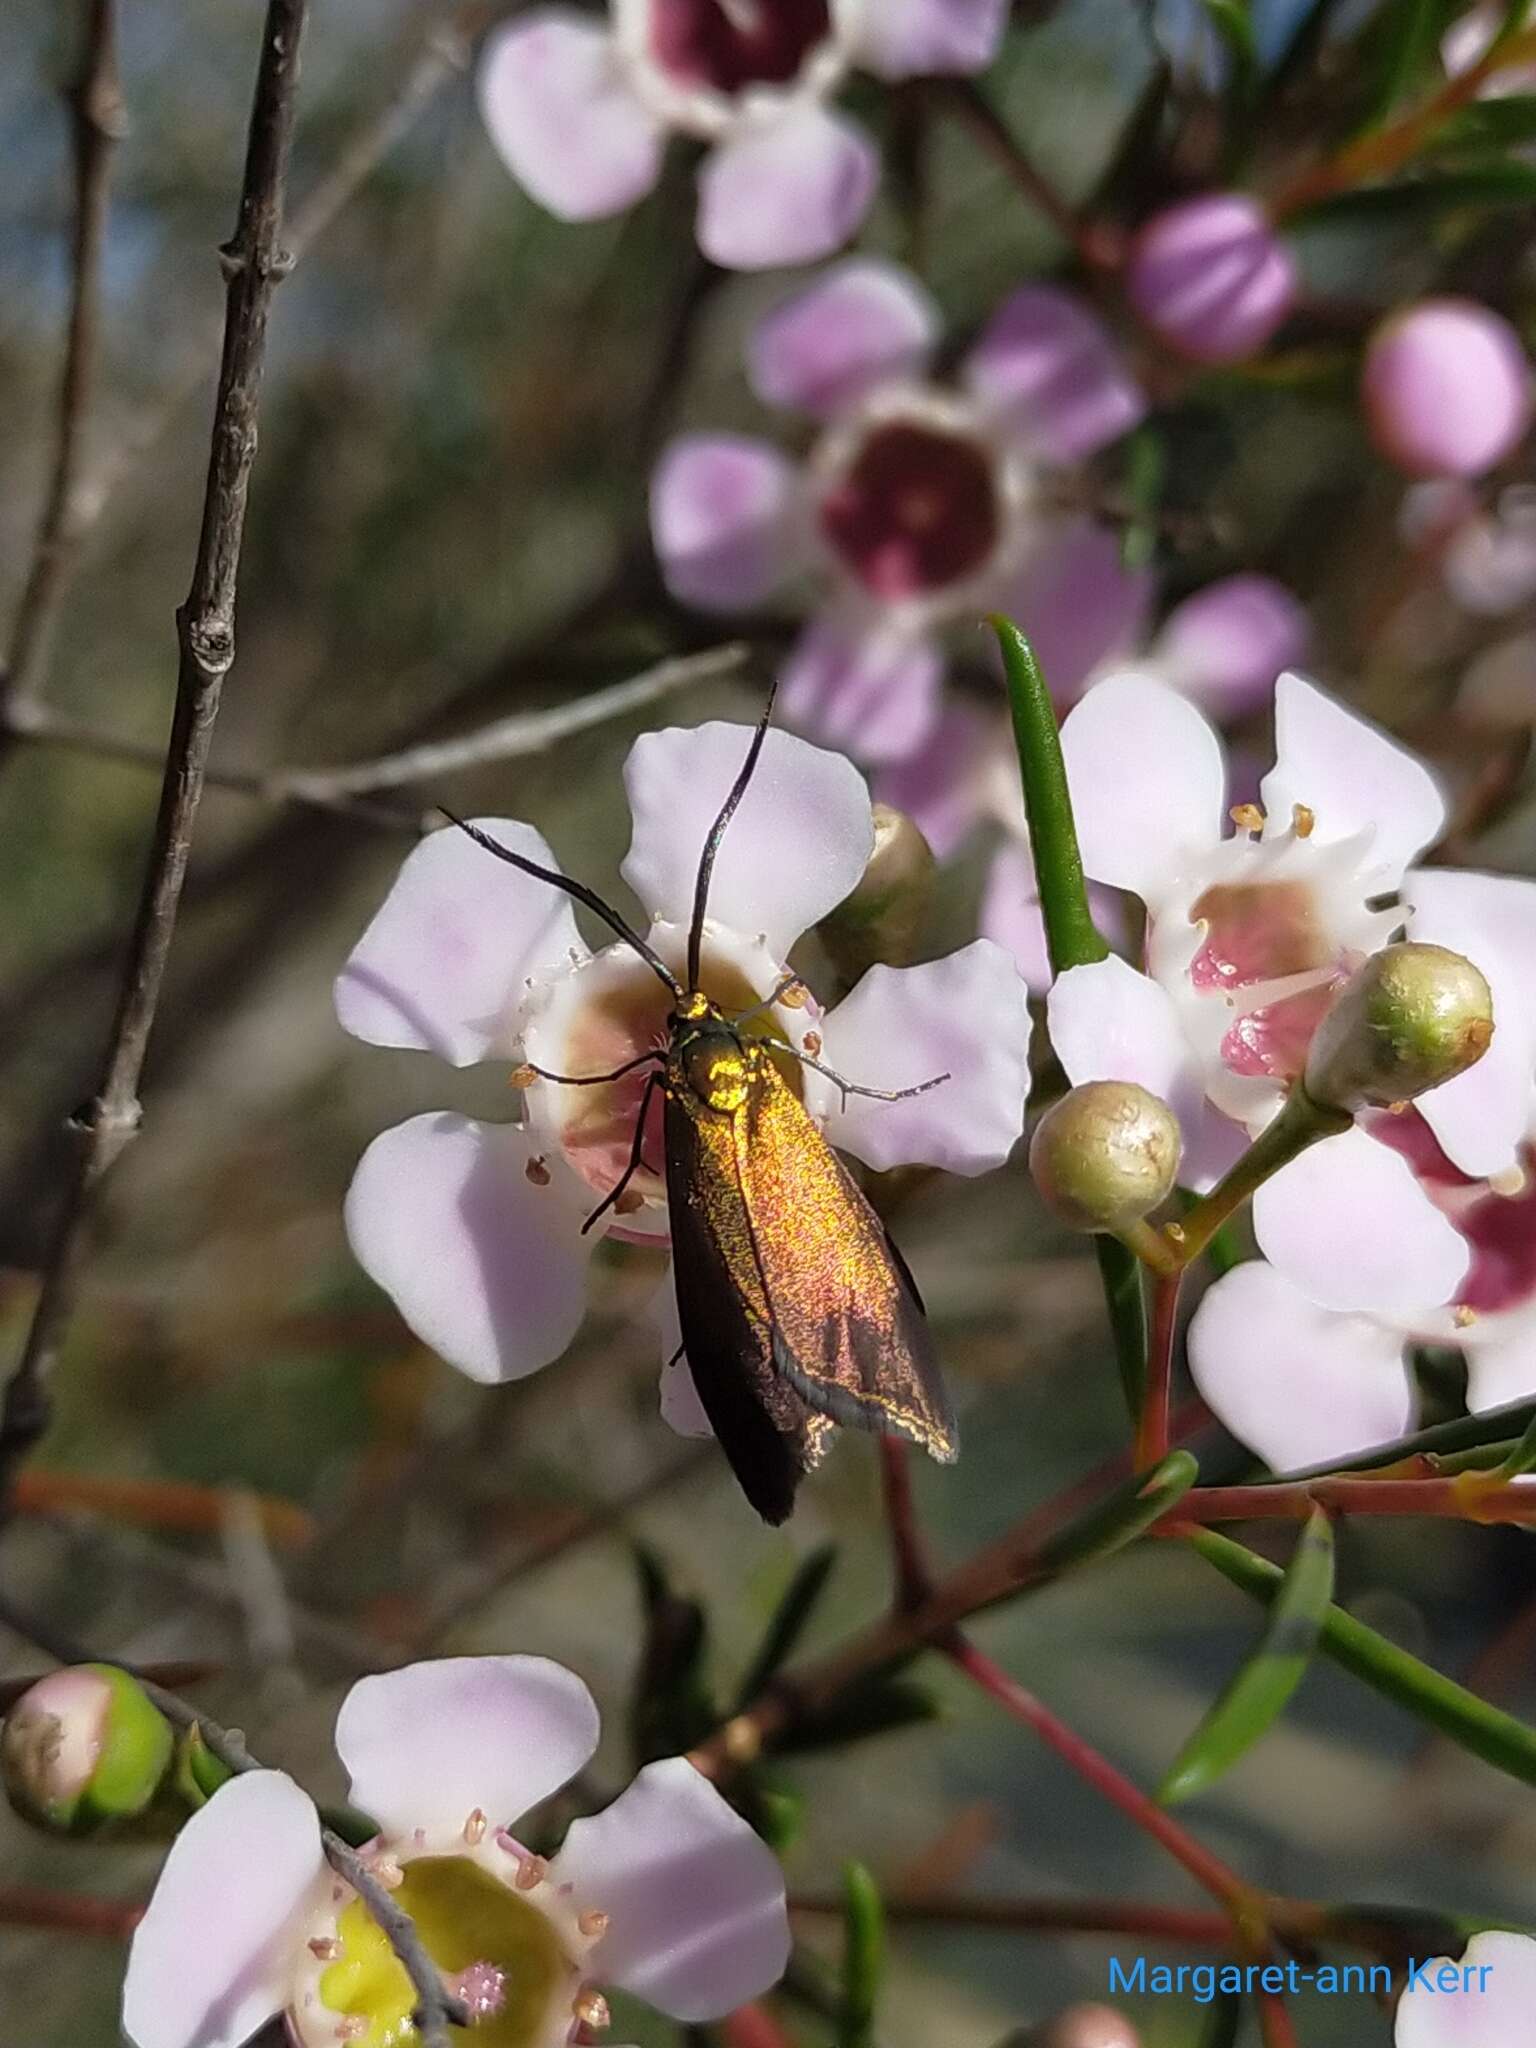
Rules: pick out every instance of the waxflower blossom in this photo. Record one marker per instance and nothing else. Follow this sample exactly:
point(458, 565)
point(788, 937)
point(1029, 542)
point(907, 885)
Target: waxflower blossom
point(580, 110)
point(1303, 1384)
point(475, 1229)
point(1249, 939)
point(667, 1893)
point(1483, 2000)
point(1447, 388)
point(918, 505)
point(1211, 278)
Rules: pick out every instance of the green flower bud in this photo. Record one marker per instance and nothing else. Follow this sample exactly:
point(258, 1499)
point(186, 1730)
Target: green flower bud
point(1412, 1017)
point(198, 1773)
point(1105, 1155)
point(84, 1748)
point(881, 920)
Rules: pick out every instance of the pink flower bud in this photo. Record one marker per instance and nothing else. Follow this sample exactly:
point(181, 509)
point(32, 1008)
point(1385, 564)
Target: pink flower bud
point(1446, 388)
point(1211, 278)
point(1225, 645)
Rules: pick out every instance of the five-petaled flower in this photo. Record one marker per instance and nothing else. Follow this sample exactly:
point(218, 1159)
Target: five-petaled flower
point(1248, 939)
point(667, 1893)
point(581, 112)
point(475, 1229)
point(919, 505)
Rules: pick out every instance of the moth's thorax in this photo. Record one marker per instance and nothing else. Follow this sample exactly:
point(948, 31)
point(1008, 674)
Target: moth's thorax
point(717, 1066)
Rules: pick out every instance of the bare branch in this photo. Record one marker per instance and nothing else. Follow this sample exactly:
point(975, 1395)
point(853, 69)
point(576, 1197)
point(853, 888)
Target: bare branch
point(253, 261)
point(96, 123)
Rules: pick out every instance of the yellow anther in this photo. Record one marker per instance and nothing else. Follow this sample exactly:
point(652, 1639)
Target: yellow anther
point(475, 1826)
point(1303, 820)
point(591, 2008)
point(1247, 817)
point(522, 1077)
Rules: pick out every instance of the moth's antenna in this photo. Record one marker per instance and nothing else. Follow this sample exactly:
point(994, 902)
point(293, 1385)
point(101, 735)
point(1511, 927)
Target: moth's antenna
point(580, 891)
point(717, 833)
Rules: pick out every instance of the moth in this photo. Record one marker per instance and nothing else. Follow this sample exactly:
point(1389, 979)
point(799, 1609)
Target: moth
point(797, 1311)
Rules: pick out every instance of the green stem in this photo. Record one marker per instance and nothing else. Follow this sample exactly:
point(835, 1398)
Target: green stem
point(1301, 1123)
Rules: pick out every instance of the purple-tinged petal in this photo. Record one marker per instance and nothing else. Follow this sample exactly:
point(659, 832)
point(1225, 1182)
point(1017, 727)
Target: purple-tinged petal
point(1079, 604)
point(924, 38)
point(487, 1265)
point(941, 785)
point(1109, 1023)
point(725, 518)
point(212, 1959)
point(797, 845)
point(786, 193)
point(444, 964)
point(863, 684)
point(1299, 1384)
point(1447, 388)
point(559, 109)
point(858, 325)
point(1226, 645)
point(427, 1744)
point(1350, 1226)
point(1011, 915)
point(1211, 277)
point(695, 1901)
point(1490, 2007)
point(1481, 1118)
point(1050, 374)
point(1351, 777)
point(1148, 782)
point(966, 1016)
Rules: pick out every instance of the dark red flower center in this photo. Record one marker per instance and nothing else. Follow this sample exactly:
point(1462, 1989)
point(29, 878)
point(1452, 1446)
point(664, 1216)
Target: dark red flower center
point(729, 45)
point(915, 510)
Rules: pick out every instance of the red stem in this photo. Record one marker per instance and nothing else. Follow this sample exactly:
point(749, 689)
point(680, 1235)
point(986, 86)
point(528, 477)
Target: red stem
point(1224, 1884)
point(1276, 2028)
point(1512, 1500)
point(909, 1560)
point(68, 1912)
point(1044, 1916)
point(1153, 1434)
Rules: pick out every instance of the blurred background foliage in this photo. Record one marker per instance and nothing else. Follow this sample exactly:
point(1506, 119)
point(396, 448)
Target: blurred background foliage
point(448, 523)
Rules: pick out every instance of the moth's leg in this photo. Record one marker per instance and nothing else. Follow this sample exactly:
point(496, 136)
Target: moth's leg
point(847, 1088)
point(644, 1059)
point(636, 1160)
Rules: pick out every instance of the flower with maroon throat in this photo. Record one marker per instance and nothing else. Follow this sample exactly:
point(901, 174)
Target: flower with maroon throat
point(919, 506)
point(580, 111)
point(475, 1228)
point(667, 1893)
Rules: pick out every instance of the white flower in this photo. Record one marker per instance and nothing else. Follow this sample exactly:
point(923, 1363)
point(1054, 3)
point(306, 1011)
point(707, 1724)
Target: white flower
point(1489, 2005)
point(667, 1893)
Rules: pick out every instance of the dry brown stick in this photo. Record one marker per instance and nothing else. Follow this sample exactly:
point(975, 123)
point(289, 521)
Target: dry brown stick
point(343, 789)
point(96, 124)
point(253, 263)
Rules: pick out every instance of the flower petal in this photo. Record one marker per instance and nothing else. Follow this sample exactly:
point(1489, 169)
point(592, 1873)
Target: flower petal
point(1147, 779)
point(1011, 914)
point(556, 103)
point(1350, 776)
point(797, 845)
point(966, 1016)
point(921, 38)
point(724, 520)
point(1350, 1226)
point(444, 964)
point(1482, 1117)
point(427, 1744)
point(942, 785)
point(1299, 1384)
point(863, 685)
point(488, 1268)
point(1079, 604)
point(1050, 374)
point(695, 1901)
point(860, 323)
point(1226, 645)
point(1490, 2008)
point(789, 192)
point(212, 1959)
point(1503, 1370)
point(1211, 277)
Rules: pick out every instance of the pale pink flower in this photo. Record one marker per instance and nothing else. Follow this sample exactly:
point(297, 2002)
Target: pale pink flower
point(580, 110)
point(918, 506)
point(667, 1893)
point(1485, 2000)
point(1249, 936)
point(475, 1229)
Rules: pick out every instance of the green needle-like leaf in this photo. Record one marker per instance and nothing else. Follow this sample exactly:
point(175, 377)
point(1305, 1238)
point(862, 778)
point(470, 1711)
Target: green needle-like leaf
point(788, 1624)
point(1498, 1738)
point(863, 1957)
point(1129, 1511)
point(1258, 1693)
